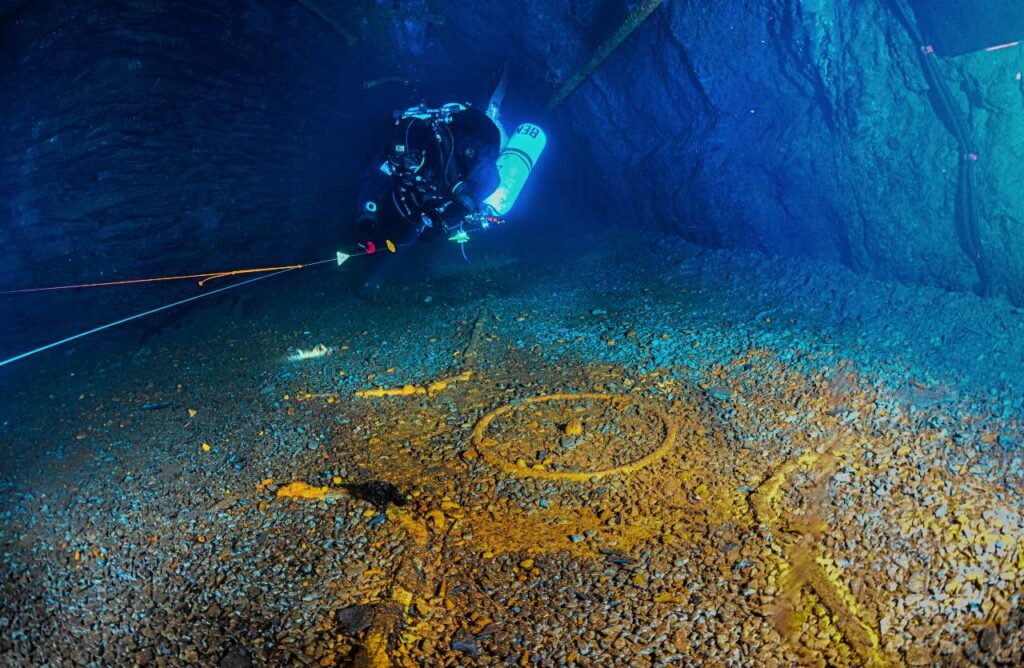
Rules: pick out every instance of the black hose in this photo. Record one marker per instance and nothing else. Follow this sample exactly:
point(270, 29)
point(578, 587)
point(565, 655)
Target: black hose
point(966, 201)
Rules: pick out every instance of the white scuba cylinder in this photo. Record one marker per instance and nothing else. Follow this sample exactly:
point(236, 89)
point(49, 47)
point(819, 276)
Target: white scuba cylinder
point(515, 162)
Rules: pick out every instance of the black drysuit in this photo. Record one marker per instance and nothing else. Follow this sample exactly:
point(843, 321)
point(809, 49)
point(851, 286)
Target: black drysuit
point(433, 174)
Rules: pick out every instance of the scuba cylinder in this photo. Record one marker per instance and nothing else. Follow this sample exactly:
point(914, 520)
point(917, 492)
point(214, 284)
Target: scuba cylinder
point(515, 163)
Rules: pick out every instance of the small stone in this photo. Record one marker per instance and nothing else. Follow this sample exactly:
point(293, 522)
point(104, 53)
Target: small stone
point(237, 657)
point(354, 618)
point(464, 642)
point(916, 584)
point(989, 640)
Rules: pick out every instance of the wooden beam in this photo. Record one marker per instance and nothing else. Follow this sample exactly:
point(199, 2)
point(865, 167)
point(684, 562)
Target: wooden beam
point(340, 29)
point(635, 18)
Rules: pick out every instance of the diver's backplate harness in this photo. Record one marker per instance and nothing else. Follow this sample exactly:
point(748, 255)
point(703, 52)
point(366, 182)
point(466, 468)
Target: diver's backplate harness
point(425, 171)
point(426, 183)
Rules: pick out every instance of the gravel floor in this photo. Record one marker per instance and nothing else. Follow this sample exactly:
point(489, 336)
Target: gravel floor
point(778, 463)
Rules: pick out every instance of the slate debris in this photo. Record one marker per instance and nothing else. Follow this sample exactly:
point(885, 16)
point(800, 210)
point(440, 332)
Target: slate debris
point(236, 657)
point(464, 642)
point(183, 559)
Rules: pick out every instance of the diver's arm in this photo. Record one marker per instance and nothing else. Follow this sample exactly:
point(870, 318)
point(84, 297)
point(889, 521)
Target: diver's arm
point(468, 195)
point(481, 181)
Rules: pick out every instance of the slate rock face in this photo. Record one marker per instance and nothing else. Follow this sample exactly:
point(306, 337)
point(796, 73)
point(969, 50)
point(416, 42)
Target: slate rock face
point(156, 120)
point(795, 127)
point(142, 138)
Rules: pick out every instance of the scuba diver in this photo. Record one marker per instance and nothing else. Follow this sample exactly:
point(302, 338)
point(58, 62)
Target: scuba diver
point(439, 167)
point(447, 171)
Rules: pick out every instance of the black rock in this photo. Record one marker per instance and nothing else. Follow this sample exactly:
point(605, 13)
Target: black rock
point(381, 494)
point(236, 657)
point(354, 618)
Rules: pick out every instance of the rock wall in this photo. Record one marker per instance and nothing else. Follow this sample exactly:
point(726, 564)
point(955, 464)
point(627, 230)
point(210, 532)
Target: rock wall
point(185, 124)
point(797, 127)
point(141, 138)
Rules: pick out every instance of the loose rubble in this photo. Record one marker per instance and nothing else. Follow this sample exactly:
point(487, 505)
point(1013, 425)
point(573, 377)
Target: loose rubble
point(649, 468)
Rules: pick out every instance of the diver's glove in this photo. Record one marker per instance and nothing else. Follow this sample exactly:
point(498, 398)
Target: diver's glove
point(455, 211)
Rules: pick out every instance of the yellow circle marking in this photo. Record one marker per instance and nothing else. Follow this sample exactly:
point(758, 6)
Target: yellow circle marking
point(480, 432)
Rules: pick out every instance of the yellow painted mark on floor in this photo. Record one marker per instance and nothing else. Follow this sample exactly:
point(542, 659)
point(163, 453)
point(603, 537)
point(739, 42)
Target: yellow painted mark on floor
point(769, 494)
point(302, 490)
point(485, 445)
point(375, 651)
point(803, 564)
point(430, 389)
point(414, 528)
point(829, 576)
